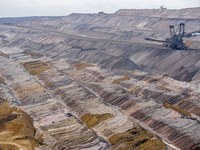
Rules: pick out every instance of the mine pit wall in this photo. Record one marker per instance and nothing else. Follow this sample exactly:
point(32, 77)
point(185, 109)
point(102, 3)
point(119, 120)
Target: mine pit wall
point(178, 64)
point(51, 117)
point(127, 25)
point(39, 107)
point(119, 101)
point(54, 80)
point(157, 125)
point(181, 65)
point(95, 121)
point(43, 119)
point(166, 107)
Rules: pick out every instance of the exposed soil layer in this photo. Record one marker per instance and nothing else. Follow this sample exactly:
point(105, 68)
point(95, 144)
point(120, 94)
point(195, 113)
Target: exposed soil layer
point(90, 81)
point(35, 67)
point(135, 138)
point(16, 129)
point(93, 119)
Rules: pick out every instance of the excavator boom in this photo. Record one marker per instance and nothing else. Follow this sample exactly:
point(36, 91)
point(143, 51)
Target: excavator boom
point(194, 33)
point(175, 41)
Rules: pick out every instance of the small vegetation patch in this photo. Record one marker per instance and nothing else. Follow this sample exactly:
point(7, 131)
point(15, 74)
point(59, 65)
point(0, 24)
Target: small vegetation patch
point(35, 67)
point(177, 109)
point(93, 119)
point(117, 81)
point(136, 138)
point(81, 66)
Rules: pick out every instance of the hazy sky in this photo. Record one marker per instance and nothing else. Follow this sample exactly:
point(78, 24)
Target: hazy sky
point(10, 8)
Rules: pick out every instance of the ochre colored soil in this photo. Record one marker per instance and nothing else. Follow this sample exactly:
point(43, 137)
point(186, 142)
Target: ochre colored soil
point(35, 67)
point(116, 81)
point(16, 129)
point(93, 119)
point(81, 66)
point(136, 138)
point(177, 109)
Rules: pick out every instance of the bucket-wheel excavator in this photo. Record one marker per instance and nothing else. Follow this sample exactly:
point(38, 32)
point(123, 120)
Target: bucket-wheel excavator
point(175, 41)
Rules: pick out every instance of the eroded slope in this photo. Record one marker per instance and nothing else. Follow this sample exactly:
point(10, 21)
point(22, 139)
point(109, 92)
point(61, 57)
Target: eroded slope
point(86, 92)
point(131, 111)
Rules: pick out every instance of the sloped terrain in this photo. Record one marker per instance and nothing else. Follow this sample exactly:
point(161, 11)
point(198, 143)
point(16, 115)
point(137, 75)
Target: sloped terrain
point(115, 41)
point(16, 129)
point(90, 81)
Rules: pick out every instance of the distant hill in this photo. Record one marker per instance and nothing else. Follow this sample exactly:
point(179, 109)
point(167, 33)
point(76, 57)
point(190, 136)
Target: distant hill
point(164, 13)
point(17, 20)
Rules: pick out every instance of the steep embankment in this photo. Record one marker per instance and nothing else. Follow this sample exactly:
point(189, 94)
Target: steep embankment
point(84, 93)
point(129, 25)
point(181, 65)
point(16, 129)
point(124, 25)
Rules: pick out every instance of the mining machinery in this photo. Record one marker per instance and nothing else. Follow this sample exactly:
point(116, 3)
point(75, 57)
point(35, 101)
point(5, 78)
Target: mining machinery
point(175, 41)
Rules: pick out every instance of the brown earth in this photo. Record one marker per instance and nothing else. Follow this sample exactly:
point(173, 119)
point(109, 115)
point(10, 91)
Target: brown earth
point(90, 81)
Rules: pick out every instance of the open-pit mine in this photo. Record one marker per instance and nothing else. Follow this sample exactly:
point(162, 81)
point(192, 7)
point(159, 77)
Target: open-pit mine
point(92, 82)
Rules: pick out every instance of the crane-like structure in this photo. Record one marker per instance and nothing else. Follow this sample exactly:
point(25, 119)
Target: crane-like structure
point(175, 41)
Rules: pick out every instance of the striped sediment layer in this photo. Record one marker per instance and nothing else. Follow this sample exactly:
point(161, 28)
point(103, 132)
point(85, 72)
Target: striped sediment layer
point(108, 122)
point(55, 123)
point(56, 79)
point(86, 107)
